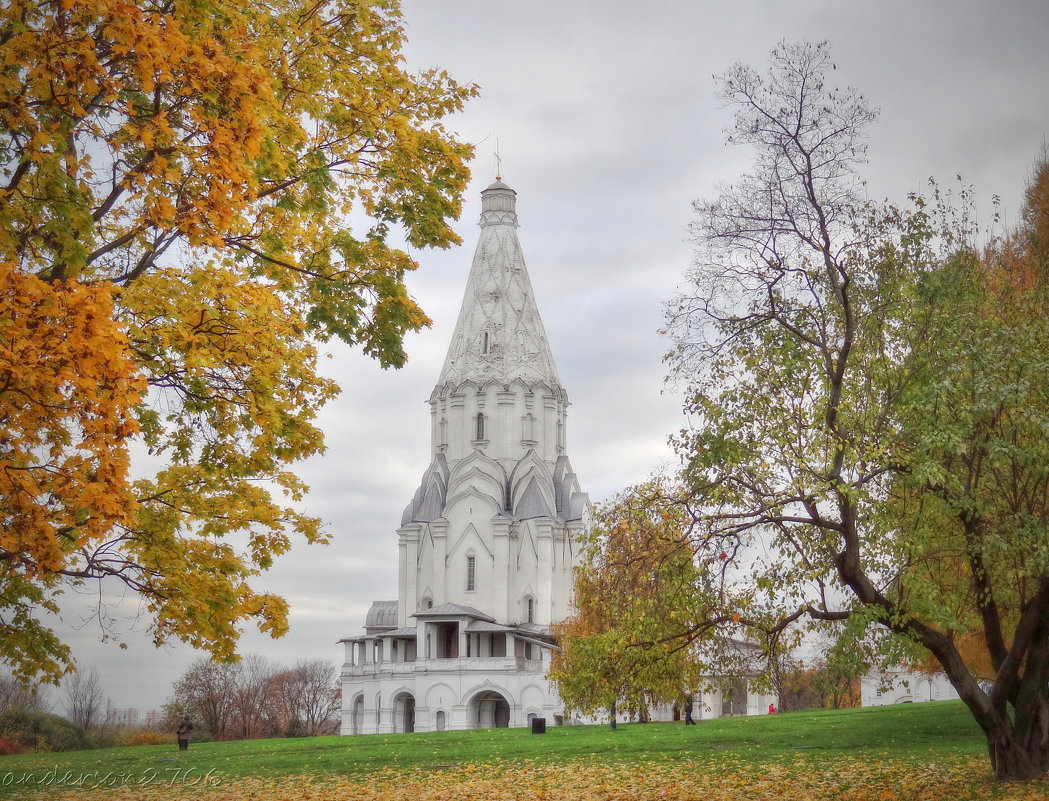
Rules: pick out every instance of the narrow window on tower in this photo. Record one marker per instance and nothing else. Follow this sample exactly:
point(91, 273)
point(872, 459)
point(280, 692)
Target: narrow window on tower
point(480, 425)
point(484, 342)
point(471, 573)
point(531, 610)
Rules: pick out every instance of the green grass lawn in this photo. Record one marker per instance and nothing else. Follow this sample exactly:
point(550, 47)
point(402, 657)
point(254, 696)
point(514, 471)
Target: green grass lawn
point(911, 732)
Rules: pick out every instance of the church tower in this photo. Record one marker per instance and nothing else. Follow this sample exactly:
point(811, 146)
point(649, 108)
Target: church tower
point(487, 544)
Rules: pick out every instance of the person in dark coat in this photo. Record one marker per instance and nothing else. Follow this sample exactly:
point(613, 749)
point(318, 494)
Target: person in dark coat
point(183, 733)
point(688, 711)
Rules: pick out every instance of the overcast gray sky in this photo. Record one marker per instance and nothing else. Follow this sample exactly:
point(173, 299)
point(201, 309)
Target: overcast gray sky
point(608, 127)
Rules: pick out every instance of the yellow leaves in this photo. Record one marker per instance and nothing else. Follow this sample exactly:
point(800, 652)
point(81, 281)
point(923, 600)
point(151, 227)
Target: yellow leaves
point(193, 167)
point(68, 388)
point(722, 779)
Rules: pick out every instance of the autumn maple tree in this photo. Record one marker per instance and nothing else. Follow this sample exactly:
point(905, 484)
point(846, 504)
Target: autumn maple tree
point(633, 638)
point(177, 184)
point(869, 393)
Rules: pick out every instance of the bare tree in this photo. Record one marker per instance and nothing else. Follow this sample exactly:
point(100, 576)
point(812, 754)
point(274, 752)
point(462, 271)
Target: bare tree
point(307, 698)
point(253, 677)
point(15, 695)
point(206, 692)
point(320, 696)
point(86, 703)
point(258, 698)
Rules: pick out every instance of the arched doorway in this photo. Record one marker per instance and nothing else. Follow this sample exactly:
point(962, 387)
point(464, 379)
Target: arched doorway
point(357, 714)
point(404, 713)
point(490, 710)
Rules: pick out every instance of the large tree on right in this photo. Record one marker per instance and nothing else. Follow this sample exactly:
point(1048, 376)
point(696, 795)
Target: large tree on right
point(869, 396)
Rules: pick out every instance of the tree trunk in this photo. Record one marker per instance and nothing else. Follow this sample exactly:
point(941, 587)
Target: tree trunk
point(1018, 745)
point(1013, 760)
point(612, 716)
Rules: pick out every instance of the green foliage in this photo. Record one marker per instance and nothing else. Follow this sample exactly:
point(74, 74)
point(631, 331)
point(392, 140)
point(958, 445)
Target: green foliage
point(633, 640)
point(869, 397)
point(41, 731)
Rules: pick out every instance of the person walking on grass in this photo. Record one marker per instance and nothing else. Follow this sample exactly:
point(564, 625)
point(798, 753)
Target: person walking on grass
point(183, 733)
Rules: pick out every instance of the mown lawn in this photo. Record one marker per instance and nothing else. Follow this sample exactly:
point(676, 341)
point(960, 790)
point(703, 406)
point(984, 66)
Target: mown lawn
point(922, 751)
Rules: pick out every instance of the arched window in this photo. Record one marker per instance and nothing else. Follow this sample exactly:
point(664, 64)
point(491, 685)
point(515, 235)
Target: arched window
point(484, 342)
point(471, 573)
point(442, 432)
point(528, 427)
point(480, 425)
point(530, 608)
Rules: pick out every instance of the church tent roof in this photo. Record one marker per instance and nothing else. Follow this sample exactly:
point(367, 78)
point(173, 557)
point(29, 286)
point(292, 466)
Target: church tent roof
point(499, 334)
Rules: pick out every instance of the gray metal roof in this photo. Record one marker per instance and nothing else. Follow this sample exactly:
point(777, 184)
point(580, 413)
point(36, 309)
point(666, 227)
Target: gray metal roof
point(408, 631)
point(483, 625)
point(453, 610)
point(382, 615)
point(535, 629)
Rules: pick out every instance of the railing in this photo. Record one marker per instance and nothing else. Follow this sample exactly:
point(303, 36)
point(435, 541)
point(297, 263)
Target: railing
point(469, 664)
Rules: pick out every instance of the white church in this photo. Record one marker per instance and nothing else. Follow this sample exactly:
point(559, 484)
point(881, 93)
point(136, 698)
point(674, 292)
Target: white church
point(487, 545)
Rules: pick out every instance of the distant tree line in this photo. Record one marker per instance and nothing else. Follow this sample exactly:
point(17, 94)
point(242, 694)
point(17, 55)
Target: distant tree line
point(249, 699)
point(822, 686)
point(27, 722)
point(256, 698)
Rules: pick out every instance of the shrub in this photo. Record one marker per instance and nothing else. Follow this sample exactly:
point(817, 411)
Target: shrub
point(149, 737)
point(39, 731)
point(11, 747)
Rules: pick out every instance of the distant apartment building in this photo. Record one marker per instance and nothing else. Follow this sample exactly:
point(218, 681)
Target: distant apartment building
point(130, 717)
point(123, 717)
